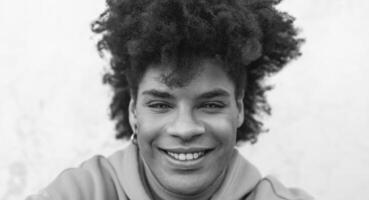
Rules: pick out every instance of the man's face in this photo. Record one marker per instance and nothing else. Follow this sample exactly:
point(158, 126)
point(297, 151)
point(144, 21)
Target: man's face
point(186, 135)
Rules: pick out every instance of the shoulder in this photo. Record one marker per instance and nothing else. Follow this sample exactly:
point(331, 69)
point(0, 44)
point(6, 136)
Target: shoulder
point(94, 179)
point(269, 188)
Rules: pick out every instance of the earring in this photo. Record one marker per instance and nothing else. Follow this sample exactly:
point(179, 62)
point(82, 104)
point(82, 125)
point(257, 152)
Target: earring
point(134, 136)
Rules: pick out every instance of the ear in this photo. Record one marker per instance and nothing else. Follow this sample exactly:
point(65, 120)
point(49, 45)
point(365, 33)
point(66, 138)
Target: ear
point(240, 109)
point(132, 114)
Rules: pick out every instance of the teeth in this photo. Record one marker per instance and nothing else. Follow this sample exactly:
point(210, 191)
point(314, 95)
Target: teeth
point(186, 156)
point(189, 156)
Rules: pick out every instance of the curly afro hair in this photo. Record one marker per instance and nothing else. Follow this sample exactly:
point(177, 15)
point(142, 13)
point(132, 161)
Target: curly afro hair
point(250, 37)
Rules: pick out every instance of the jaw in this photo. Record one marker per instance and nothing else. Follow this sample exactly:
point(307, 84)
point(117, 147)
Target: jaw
point(178, 184)
point(188, 177)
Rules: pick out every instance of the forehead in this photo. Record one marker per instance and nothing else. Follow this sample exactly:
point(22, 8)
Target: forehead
point(209, 76)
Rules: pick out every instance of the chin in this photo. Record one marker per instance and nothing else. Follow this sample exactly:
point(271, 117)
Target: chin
point(187, 189)
point(187, 185)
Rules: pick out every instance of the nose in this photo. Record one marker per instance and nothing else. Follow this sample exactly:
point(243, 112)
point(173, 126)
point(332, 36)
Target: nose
point(185, 126)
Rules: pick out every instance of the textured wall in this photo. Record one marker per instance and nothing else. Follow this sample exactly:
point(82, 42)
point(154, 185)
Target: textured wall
point(53, 107)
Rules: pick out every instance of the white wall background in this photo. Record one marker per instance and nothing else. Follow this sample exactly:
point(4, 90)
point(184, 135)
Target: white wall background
point(54, 109)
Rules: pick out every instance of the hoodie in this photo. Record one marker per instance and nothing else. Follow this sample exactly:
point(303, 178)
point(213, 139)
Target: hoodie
point(118, 178)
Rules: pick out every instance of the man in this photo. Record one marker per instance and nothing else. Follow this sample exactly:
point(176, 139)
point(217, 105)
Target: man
point(187, 80)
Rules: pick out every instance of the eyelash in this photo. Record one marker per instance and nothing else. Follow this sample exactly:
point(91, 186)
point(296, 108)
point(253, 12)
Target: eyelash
point(212, 105)
point(208, 106)
point(159, 106)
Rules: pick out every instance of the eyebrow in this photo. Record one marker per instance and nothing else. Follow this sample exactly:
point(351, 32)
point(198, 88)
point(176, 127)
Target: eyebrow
point(158, 94)
point(214, 93)
point(207, 95)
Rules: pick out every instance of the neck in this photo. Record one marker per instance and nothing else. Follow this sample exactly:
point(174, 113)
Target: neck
point(159, 192)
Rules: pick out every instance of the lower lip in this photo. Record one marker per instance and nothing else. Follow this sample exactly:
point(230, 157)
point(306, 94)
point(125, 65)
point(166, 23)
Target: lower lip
point(185, 164)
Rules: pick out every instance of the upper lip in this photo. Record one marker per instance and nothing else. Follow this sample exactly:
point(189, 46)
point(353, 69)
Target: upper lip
point(187, 149)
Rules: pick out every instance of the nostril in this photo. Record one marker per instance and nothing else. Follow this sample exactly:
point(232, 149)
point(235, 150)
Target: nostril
point(185, 129)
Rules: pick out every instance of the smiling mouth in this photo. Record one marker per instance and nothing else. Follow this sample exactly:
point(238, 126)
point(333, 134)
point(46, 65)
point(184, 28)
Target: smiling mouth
point(186, 156)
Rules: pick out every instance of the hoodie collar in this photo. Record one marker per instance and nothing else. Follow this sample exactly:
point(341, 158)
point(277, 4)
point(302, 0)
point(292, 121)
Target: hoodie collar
point(240, 180)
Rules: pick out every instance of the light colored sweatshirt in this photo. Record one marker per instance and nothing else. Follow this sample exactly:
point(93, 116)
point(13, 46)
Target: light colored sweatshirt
point(117, 178)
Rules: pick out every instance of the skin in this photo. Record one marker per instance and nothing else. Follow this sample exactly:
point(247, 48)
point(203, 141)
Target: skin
point(201, 116)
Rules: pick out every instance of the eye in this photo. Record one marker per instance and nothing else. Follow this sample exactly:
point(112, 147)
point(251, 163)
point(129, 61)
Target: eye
point(159, 106)
point(212, 106)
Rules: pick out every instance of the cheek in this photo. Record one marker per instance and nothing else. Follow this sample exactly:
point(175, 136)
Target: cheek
point(150, 128)
point(147, 135)
point(223, 127)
